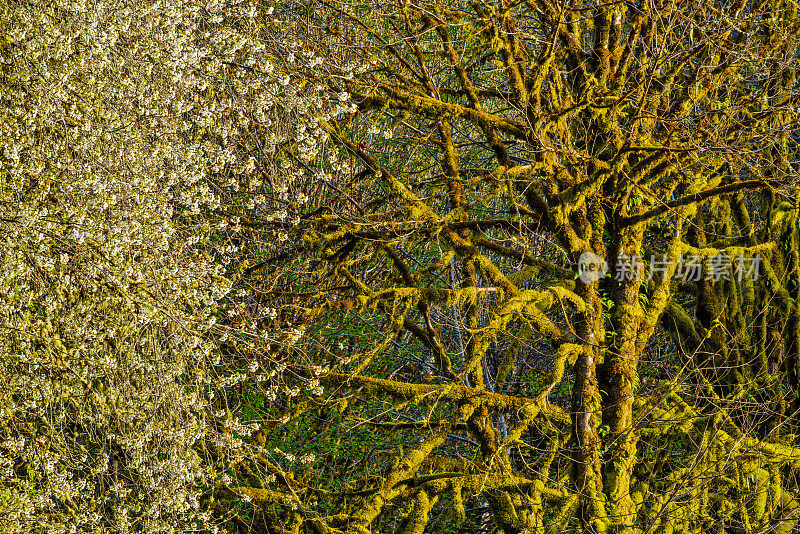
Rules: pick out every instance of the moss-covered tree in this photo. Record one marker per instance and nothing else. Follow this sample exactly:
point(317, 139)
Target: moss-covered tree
point(496, 143)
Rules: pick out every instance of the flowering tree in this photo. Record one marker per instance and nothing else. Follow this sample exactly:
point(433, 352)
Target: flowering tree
point(138, 140)
point(497, 144)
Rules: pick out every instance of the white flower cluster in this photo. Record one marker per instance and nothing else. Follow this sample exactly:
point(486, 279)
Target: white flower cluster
point(137, 136)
